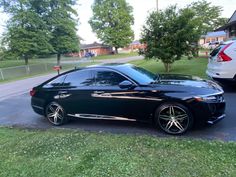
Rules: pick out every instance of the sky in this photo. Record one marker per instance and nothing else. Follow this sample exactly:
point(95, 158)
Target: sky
point(141, 8)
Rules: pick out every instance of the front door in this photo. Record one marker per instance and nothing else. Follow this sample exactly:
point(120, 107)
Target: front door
point(108, 98)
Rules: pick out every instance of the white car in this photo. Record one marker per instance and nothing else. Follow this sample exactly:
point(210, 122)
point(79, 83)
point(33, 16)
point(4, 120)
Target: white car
point(222, 62)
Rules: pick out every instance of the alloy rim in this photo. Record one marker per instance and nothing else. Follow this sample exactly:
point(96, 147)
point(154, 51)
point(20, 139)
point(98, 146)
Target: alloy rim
point(173, 119)
point(55, 114)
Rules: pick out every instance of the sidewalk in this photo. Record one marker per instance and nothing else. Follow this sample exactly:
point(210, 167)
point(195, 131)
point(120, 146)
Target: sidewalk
point(20, 87)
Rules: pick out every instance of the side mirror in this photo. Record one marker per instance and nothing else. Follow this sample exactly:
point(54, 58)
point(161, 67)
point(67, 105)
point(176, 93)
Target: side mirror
point(126, 84)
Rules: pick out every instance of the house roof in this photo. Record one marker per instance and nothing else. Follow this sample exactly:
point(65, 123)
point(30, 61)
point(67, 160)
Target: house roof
point(135, 43)
point(233, 17)
point(231, 21)
point(215, 34)
point(93, 45)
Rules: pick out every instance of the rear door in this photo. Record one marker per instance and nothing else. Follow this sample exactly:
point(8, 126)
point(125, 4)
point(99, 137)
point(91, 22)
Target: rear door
point(75, 96)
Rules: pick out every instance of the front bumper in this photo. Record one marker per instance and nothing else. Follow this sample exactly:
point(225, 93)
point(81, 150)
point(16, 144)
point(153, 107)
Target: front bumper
point(214, 120)
point(209, 113)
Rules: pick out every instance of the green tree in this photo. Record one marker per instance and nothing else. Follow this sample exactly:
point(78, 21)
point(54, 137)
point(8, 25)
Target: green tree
point(220, 22)
point(208, 16)
point(27, 33)
point(111, 21)
point(62, 25)
point(169, 35)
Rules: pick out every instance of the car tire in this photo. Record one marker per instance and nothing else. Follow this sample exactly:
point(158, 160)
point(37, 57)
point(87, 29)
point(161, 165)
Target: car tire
point(56, 114)
point(173, 118)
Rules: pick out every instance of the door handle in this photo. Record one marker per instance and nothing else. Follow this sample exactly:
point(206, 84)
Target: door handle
point(63, 94)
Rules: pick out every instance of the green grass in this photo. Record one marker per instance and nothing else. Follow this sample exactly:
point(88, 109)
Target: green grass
point(120, 55)
point(66, 68)
point(13, 63)
point(196, 66)
point(74, 153)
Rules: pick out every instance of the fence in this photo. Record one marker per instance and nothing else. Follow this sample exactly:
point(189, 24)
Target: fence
point(24, 71)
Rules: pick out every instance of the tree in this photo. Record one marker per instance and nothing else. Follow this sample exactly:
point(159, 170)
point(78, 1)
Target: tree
point(27, 33)
point(62, 25)
point(169, 35)
point(207, 15)
point(111, 21)
point(220, 22)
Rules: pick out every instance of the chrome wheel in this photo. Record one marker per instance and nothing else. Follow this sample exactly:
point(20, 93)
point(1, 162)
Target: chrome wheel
point(173, 119)
point(55, 114)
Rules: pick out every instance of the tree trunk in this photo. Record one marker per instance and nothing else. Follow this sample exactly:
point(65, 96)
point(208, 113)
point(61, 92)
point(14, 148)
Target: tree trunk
point(27, 64)
point(58, 59)
point(167, 67)
point(116, 50)
point(26, 60)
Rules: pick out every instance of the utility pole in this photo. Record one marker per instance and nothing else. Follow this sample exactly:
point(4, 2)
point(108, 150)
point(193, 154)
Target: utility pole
point(157, 5)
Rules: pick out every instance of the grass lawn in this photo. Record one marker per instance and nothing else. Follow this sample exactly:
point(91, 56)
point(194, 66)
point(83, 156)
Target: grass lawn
point(196, 66)
point(66, 68)
point(120, 55)
point(12, 63)
point(74, 153)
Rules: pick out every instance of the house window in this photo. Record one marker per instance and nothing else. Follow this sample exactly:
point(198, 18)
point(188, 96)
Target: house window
point(232, 31)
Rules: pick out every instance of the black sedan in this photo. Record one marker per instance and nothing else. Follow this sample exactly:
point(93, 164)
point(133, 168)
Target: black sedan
point(123, 91)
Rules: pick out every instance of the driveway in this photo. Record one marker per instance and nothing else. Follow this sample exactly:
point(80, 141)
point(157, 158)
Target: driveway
point(16, 111)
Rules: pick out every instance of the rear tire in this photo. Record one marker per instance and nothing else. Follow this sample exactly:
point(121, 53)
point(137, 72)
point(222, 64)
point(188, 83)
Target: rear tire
point(173, 118)
point(55, 114)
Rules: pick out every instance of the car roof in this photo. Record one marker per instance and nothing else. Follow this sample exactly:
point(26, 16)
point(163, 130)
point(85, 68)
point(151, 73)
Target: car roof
point(113, 66)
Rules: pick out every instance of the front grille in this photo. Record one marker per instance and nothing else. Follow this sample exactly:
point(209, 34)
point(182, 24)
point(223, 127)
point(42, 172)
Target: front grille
point(217, 108)
point(220, 98)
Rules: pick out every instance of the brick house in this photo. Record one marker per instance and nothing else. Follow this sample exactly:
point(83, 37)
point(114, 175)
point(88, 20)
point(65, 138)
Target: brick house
point(95, 48)
point(134, 46)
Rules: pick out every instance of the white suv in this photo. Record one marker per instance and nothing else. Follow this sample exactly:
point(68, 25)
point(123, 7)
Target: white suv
point(222, 62)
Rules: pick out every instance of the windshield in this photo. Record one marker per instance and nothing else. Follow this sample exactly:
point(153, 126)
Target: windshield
point(140, 75)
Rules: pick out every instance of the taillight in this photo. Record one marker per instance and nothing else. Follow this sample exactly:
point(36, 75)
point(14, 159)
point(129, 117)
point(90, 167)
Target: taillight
point(32, 92)
point(222, 56)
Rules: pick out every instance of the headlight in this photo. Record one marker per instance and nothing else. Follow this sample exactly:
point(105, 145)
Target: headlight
point(213, 98)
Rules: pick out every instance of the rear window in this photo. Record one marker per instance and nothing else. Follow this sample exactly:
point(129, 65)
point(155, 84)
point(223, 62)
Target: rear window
point(57, 82)
point(217, 50)
point(80, 78)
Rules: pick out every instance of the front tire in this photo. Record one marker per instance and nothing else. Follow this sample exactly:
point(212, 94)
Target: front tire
point(173, 118)
point(55, 114)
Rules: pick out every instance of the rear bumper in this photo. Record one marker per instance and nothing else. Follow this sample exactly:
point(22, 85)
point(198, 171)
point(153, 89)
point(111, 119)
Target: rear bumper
point(38, 110)
point(220, 71)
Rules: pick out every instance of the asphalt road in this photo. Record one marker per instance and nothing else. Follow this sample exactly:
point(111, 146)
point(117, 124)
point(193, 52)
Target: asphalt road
point(16, 111)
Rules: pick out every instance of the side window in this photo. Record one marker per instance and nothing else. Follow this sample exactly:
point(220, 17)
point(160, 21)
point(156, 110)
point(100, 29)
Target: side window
point(79, 79)
point(108, 78)
point(58, 82)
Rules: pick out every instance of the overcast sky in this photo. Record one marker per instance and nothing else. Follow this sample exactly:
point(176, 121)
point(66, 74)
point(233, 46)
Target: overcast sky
point(140, 12)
